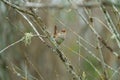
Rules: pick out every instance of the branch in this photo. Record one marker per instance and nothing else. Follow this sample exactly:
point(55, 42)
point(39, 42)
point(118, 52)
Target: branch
point(1, 51)
point(40, 23)
point(107, 46)
point(17, 8)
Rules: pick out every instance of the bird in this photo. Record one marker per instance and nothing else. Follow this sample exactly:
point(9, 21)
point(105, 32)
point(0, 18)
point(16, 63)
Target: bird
point(59, 36)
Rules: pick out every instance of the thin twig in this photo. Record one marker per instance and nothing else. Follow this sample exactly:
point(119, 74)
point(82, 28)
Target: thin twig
point(33, 27)
point(107, 46)
point(111, 25)
point(19, 72)
point(100, 21)
point(102, 61)
point(1, 51)
point(98, 36)
point(33, 66)
point(93, 55)
point(99, 73)
point(41, 24)
point(114, 74)
point(17, 8)
point(79, 36)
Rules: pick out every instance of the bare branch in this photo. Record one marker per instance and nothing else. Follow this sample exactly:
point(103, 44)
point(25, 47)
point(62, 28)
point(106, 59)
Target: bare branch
point(61, 55)
point(1, 51)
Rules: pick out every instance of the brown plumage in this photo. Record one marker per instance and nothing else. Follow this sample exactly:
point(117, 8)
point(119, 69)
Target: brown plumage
point(59, 36)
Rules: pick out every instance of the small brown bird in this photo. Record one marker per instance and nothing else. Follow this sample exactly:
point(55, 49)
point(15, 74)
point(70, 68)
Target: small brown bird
point(59, 36)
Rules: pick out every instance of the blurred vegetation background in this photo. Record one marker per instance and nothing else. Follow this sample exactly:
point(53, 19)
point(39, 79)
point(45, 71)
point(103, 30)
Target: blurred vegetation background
point(91, 56)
